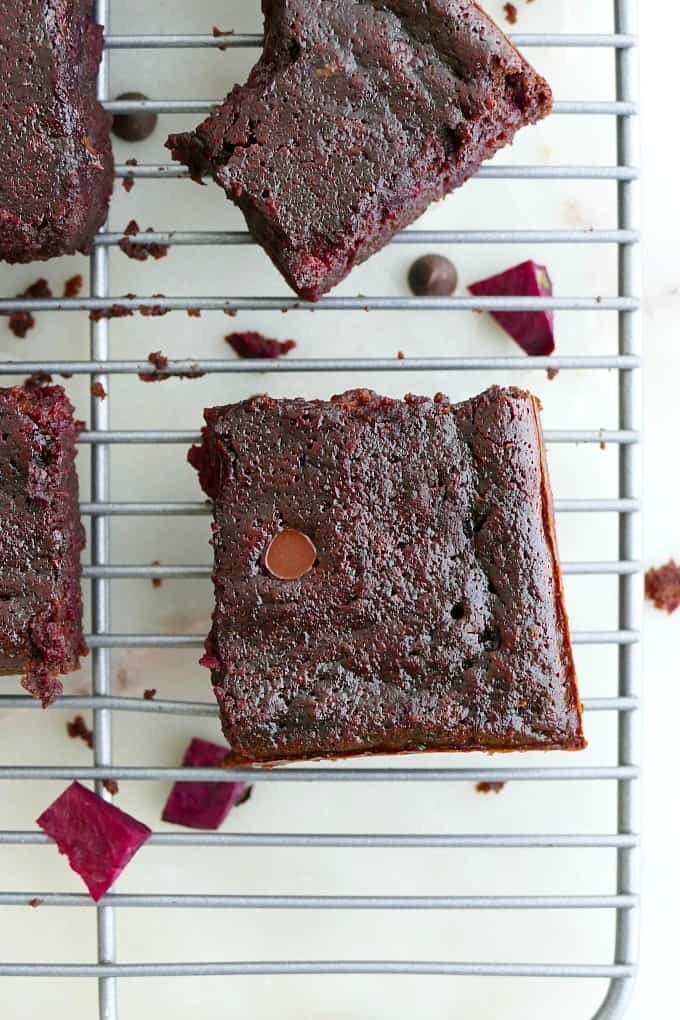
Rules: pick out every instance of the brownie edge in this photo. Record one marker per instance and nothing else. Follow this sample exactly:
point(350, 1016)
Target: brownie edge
point(433, 618)
point(56, 161)
point(357, 116)
point(41, 537)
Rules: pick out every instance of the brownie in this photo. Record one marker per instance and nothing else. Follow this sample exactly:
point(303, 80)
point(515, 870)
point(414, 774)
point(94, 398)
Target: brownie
point(40, 538)
point(357, 116)
point(56, 164)
point(429, 612)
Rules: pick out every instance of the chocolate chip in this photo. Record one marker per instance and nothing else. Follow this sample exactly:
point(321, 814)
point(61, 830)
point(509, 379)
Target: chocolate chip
point(290, 555)
point(134, 127)
point(433, 276)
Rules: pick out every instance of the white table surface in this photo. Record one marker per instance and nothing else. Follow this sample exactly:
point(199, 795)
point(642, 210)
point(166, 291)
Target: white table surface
point(184, 606)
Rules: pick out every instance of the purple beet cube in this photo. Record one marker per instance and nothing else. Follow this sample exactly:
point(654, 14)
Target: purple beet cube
point(99, 839)
point(533, 331)
point(202, 805)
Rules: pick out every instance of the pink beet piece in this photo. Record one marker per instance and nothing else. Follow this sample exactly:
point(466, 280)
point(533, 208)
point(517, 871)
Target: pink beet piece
point(99, 839)
point(202, 805)
point(533, 331)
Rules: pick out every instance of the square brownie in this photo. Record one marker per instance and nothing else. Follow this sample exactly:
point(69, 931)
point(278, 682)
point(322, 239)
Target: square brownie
point(56, 163)
point(386, 578)
point(357, 116)
point(41, 537)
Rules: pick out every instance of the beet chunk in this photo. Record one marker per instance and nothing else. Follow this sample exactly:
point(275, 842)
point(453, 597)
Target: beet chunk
point(202, 805)
point(533, 331)
point(99, 839)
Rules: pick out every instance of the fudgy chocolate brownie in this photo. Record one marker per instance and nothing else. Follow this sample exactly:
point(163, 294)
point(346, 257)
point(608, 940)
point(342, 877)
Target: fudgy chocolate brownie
point(56, 165)
point(40, 538)
point(358, 115)
point(386, 578)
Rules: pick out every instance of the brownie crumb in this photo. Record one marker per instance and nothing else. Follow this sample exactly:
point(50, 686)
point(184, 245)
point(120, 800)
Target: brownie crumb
point(35, 902)
point(232, 313)
point(160, 375)
point(150, 693)
point(552, 373)
point(489, 787)
point(510, 12)
point(245, 796)
point(97, 390)
point(218, 33)
point(112, 312)
point(111, 785)
point(255, 345)
point(156, 581)
point(662, 586)
point(21, 322)
point(73, 286)
point(78, 729)
point(129, 180)
point(400, 355)
point(37, 380)
point(194, 313)
point(141, 252)
point(153, 310)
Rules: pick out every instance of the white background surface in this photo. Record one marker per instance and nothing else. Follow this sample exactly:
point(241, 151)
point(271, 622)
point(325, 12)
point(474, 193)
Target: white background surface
point(585, 400)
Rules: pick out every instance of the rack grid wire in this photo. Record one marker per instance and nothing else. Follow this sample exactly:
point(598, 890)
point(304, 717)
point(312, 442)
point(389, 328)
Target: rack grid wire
point(101, 572)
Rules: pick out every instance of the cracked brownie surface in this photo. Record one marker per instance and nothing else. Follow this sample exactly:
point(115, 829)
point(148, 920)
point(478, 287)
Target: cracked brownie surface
point(357, 116)
point(432, 618)
point(56, 163)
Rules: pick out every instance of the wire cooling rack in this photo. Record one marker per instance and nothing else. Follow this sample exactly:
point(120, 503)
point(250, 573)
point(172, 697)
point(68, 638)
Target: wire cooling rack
point(101, 572)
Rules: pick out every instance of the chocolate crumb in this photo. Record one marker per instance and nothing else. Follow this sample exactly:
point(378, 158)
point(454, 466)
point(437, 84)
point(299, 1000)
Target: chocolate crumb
point(21, 322)
point(662, 586)
point(603, 445)
point(232, 313)
point(510, 12)
point(194, 313)
point(150, 693)
point(141, 252)
point(73, 286)
point(35, 902)
point(552, 373)
point(489, 787)
point(111, 785)
point(97, 390)
point(400, 355)
point(255, 345)
point(245, 796)
point(78, 729)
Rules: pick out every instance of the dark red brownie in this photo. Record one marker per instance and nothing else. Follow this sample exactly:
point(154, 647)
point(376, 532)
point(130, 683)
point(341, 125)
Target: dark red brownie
point(40, 538)
point(432, 617)
point(357, 116)
point(56, 164)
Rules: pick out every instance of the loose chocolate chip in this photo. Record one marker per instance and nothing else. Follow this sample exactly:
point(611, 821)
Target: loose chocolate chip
point(433, 276)
point(134, 127)
point(290, 555)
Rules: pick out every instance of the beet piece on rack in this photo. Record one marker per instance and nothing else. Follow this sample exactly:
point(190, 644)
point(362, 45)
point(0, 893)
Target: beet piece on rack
point(99, 839)
point(200, 805)
point(533, 331)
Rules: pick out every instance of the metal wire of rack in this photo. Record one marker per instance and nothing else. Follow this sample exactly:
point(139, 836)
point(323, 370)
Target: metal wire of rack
point(102, 507)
